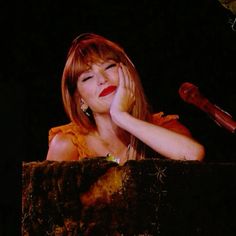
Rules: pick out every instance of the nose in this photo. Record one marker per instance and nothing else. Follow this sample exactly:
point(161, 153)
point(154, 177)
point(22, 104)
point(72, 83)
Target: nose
point(101, 78)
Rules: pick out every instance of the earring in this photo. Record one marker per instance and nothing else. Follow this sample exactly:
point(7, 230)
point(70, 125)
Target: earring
point(84, 108)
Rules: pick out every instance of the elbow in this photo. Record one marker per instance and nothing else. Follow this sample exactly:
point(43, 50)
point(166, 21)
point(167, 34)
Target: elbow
point(198, 153)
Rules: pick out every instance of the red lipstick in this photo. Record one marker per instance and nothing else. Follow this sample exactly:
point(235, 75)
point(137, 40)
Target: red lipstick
point(107, 91)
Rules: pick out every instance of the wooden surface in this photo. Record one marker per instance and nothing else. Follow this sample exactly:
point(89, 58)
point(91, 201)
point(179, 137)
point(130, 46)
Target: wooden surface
point(149, 197)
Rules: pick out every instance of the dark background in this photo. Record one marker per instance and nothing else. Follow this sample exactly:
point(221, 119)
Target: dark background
point(170, 42)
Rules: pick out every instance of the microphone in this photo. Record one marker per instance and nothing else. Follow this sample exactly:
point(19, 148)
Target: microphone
point(190, 94)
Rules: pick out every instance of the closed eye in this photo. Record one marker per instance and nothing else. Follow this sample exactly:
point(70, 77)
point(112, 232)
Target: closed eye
point(110, 66)
point(86, 78)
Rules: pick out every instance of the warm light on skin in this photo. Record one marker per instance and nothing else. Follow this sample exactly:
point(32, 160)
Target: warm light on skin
point(93, 81)
point(98, 74)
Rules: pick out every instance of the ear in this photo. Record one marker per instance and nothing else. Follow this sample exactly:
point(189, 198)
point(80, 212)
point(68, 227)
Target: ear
point(82, 102)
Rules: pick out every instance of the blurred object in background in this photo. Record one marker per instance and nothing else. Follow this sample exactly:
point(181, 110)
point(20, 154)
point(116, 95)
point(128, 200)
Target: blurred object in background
point(229, 4)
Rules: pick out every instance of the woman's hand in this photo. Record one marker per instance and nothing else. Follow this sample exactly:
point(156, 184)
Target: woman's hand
point(168, 143)
point(124, 98)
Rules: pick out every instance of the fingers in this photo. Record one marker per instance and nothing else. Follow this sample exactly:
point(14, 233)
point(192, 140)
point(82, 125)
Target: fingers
point(128, 84)
point(125, 97)
point(121, 77)
point(125, 78)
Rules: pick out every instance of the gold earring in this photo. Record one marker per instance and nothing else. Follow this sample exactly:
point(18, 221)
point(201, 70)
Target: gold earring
point(84, 108)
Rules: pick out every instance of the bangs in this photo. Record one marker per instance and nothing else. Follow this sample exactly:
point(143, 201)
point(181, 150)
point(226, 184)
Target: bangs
point(88, 54)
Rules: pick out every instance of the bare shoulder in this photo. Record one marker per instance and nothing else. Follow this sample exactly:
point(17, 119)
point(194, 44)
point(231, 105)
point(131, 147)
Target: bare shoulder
point(61, 148)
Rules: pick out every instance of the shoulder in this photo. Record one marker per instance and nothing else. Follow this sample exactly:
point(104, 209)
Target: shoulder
point(170, 122)
point(67, 142)
point(70, 128)
point(62, 148)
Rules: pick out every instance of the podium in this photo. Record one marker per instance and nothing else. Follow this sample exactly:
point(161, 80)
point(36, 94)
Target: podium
point(146, 197)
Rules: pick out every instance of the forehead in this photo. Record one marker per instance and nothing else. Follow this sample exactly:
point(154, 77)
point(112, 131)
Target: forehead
point(87, 56)
point(99, 63)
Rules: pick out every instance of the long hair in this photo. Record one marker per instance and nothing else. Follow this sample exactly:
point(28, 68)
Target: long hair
point(86, 49)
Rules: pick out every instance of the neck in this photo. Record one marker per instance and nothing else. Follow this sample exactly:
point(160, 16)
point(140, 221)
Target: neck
point(108, 130)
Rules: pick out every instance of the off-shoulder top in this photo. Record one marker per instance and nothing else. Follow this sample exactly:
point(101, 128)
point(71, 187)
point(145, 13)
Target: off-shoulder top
point(168, 121)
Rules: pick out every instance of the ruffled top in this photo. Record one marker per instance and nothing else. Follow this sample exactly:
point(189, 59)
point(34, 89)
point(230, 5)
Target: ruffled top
point(169, 121)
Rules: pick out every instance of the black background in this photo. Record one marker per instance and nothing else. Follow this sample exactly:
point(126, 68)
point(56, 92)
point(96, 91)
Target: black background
point(170, 42)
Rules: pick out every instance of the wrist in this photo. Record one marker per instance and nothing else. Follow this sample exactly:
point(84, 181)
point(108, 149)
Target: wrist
point(119, 118)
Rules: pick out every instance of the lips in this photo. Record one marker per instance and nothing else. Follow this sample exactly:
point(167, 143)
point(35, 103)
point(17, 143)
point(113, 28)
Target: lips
point(107, 91)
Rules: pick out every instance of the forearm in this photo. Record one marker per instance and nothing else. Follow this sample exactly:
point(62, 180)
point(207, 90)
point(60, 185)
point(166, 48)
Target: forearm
point(166, 142)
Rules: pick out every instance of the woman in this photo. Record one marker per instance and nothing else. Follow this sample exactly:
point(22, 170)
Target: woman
point(109, 114)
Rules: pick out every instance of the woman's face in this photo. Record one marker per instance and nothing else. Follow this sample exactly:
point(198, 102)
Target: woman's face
point(97, 85)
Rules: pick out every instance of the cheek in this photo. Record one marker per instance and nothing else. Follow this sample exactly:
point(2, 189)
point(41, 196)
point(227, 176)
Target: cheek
point(85, 90)
point(113, 75)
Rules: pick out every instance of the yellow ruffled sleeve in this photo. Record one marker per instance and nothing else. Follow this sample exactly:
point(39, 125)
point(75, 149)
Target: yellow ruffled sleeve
point(170, 122)
point(76, 137)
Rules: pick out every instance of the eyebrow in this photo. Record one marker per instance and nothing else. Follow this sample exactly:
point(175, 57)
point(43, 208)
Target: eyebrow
point(108, 63)
point(104, 63)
